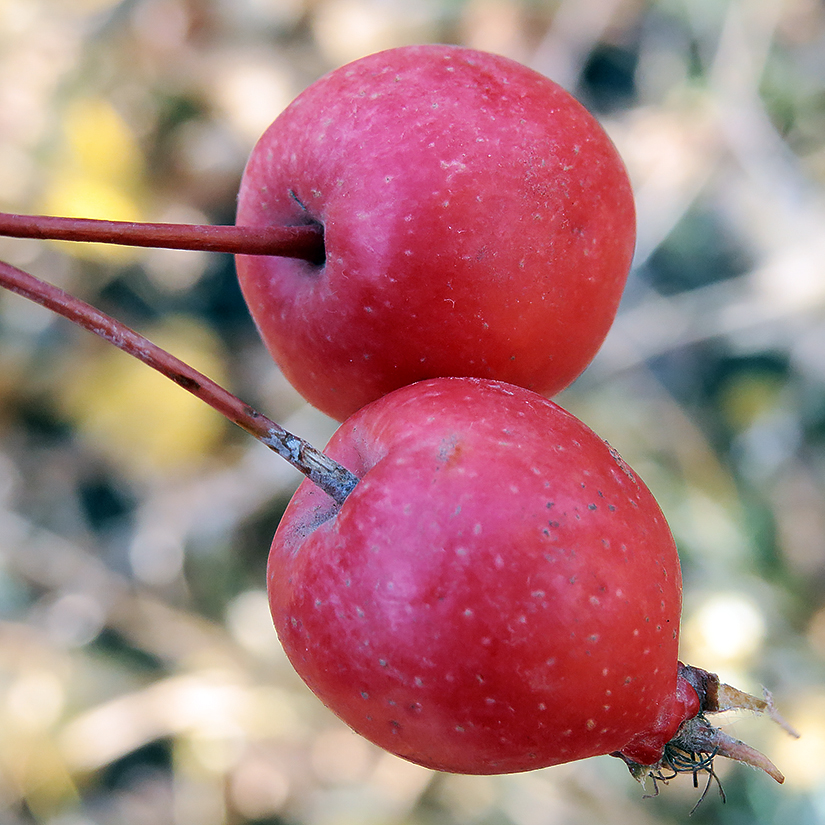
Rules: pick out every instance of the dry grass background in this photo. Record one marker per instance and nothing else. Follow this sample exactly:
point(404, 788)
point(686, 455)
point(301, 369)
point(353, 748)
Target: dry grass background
point(140, 678)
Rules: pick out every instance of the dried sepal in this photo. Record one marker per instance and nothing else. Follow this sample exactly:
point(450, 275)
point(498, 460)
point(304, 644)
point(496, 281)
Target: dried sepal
point(697, 742)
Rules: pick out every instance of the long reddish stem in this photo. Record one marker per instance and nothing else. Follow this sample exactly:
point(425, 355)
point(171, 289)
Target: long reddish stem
point(334, 479)
point(305, 242)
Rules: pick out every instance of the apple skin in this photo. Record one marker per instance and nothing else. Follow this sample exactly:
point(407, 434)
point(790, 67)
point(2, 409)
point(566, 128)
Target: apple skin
point(499, 593)
point(478, 222)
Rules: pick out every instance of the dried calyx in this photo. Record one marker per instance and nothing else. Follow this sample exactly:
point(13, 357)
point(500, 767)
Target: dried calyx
point(697, 742)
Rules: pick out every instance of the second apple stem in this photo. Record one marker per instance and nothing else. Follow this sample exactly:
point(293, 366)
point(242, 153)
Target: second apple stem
point(331, 477)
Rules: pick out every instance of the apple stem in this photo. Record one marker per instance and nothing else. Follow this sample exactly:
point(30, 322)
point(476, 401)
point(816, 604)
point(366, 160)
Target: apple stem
point(331, 477)
point(305, 242)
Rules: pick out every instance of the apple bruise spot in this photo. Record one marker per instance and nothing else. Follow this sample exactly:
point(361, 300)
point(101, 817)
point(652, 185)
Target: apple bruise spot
point(450, 451)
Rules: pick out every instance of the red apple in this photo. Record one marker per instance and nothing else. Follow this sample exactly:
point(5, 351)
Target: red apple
point(477, 222)
point(499, 592)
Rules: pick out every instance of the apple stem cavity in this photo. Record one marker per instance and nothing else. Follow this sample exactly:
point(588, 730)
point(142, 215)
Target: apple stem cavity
point(329, 475)
point(305, 242)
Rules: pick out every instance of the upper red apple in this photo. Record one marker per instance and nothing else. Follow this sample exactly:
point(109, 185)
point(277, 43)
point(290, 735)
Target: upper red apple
point(477, 222)
point(500, 592)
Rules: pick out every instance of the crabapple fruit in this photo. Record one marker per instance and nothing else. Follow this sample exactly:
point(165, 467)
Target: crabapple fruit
point(499, 592)
point(477, 221)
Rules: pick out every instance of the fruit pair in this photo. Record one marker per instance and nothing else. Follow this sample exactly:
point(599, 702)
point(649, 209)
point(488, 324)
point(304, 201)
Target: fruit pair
point(490, 588)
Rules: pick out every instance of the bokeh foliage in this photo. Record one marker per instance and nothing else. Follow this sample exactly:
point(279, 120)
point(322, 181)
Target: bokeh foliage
point(140, 678)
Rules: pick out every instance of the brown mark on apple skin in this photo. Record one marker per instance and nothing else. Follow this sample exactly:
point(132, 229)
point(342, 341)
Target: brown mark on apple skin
point(450, 451)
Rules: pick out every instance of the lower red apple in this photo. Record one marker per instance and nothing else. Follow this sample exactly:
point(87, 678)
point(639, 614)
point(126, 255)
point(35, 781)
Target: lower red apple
point(500, 591)
point(477, 222)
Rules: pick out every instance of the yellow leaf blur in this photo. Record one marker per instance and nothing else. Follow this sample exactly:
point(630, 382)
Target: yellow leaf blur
point(39, 772)
point(138, 418)
point(100, 144)
point(100, 172)
point(746, 397)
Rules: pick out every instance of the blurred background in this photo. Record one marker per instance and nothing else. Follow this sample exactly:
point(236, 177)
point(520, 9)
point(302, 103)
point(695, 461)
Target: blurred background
point(140, 678)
